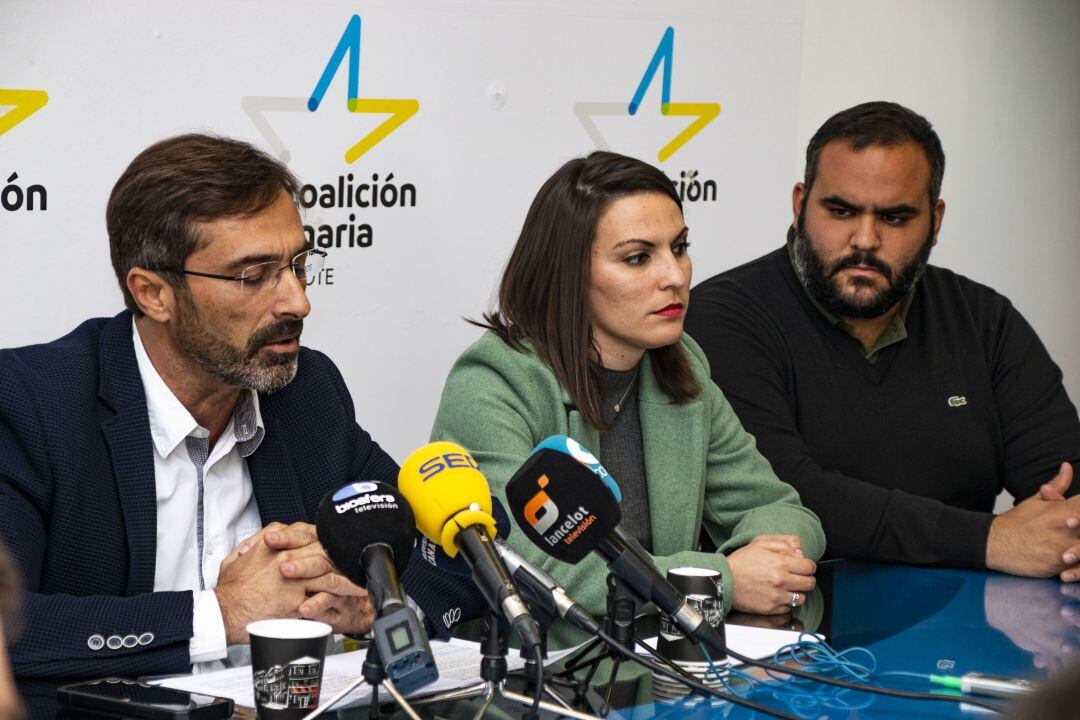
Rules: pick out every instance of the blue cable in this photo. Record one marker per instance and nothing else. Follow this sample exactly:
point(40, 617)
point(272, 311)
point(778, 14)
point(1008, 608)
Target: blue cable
point(812, 654)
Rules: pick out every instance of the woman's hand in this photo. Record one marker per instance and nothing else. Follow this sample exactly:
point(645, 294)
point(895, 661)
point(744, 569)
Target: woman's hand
point(767, 573)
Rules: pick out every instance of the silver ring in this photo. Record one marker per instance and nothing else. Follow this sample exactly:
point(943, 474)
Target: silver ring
point(794, 599)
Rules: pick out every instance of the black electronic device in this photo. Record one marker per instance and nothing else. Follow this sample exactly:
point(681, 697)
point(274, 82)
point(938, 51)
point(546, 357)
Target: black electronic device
point(367, 530)
point(130, 698)
point(565, 509)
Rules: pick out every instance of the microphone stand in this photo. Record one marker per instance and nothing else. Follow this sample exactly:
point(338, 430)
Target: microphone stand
point(493, 672)
point(623, 604)
point(374, 675)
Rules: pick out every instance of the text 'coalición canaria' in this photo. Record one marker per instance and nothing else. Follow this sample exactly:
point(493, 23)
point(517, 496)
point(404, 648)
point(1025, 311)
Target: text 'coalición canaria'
point(348, 194)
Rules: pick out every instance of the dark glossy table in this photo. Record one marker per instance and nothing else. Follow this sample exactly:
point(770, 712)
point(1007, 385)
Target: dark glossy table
point(915, 620)
point(943, 622)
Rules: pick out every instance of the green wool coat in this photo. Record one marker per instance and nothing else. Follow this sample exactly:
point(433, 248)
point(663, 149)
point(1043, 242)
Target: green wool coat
point(701, 467)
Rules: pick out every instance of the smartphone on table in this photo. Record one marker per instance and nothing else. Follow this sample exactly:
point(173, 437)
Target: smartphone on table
point(117, 697)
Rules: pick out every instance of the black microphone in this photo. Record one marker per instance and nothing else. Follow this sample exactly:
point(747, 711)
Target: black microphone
point(546, 590)
point(566, 511)
point(367, 530)
point(453, 507)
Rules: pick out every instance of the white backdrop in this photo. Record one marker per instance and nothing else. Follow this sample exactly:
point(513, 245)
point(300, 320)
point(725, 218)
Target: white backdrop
point(507, 91)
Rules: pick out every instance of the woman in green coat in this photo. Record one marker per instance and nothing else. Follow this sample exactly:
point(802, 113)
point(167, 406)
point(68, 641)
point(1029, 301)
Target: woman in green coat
point(587, 341)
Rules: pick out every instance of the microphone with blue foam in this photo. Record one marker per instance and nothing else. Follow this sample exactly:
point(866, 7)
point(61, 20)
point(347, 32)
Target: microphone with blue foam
point(571, 447)
point(453, 506)
point(566, 509)
point(367, 530)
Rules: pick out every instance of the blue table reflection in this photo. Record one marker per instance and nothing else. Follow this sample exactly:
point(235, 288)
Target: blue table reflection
point(931, 621)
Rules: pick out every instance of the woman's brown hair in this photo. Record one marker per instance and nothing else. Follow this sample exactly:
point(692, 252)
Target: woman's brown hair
point(544, 291)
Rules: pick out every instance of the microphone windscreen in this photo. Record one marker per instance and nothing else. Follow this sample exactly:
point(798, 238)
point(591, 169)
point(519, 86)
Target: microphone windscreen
point(447, 491)
point(571, 447)
point(561, 505)
point(361, 514)
point(433, 554)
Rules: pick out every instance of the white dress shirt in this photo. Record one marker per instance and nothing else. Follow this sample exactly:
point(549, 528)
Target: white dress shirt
point(193, 537)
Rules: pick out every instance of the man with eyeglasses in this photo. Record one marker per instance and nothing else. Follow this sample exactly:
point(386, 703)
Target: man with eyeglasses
point(159, 469)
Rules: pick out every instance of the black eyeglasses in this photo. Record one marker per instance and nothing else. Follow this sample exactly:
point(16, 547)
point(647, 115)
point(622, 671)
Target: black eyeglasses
point(262, 276)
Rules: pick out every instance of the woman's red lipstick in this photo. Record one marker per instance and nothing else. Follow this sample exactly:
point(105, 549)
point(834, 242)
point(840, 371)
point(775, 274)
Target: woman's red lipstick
point(671, 311)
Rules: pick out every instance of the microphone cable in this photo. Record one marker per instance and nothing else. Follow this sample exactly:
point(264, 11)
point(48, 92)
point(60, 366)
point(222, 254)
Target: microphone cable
point(816, 677)
point(691, 682)
point(534, 711)
point(822, 657)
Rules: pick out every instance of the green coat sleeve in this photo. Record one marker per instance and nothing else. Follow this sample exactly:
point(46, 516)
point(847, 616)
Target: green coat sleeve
point(743, 496)
point(499, 403)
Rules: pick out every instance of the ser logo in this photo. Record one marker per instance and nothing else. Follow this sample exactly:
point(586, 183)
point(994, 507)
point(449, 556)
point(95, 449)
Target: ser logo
point(447, 461)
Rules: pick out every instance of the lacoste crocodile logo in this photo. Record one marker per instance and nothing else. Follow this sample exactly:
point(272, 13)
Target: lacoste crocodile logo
point(957, 401)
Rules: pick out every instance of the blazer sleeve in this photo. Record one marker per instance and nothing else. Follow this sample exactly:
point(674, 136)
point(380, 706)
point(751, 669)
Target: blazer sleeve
point(55, 634)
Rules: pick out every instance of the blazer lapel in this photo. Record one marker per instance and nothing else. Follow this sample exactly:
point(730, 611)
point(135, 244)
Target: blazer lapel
point(673, 438)
point(586, 435)
point(273, 475)
point(127, 435)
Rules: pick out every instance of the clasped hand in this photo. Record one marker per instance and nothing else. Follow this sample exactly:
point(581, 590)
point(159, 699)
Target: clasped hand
point(283, 572)
point(1040, 537)
point(767, 572)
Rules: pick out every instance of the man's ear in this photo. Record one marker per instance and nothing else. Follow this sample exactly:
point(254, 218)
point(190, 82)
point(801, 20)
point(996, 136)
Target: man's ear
point(939, 215)
point(155, 297)
point(797, 194)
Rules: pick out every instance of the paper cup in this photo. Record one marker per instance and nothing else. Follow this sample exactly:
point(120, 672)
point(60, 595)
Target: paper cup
point(704, 592)
point(287, 659)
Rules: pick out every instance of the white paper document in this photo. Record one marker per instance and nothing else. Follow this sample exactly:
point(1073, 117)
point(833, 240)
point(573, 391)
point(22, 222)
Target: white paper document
point(458, 662)
point(753, 642)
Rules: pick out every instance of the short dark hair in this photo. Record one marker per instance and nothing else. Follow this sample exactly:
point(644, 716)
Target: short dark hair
point(177, 182)
point(878, 123)
point(544, 291)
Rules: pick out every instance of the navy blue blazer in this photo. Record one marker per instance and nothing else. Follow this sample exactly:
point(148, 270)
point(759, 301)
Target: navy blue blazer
point(77, 497)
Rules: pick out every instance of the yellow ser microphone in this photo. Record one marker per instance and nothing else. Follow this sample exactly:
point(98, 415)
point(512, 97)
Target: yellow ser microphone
point(451, 491)
point(451, 500)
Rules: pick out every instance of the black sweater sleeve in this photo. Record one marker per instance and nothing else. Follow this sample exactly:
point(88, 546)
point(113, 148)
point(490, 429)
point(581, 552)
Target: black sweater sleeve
point(1039, 425)
point(753, 364)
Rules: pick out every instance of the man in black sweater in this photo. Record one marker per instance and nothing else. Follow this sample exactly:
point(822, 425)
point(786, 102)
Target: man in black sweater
point(898, 398)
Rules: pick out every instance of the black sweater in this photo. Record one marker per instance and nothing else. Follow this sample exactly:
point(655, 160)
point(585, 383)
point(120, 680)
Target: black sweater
point(901, 458)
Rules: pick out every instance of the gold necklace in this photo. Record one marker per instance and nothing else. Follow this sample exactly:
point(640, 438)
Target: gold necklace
point(618, 405)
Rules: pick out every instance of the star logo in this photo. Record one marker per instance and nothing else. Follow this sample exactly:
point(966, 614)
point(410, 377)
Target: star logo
point(702, 112)
point(22, 104)
point(399, 109)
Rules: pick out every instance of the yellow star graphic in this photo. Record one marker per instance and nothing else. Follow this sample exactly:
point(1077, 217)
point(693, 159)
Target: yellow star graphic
point(24, 103)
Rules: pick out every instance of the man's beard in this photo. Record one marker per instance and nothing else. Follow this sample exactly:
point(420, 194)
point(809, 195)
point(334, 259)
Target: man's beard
point(821, 282)
point(241, 368)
